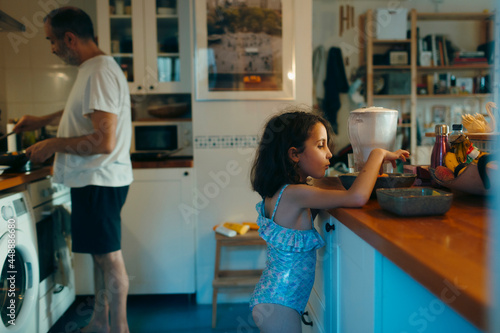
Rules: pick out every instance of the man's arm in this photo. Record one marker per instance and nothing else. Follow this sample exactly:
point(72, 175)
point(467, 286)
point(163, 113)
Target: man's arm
point(101, 141)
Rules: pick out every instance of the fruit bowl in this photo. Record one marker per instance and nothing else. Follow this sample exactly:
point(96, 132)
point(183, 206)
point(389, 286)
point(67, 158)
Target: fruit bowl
point(469, 181)
point(392, 180)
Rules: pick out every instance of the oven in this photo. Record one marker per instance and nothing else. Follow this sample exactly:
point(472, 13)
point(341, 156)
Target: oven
point(52, 211)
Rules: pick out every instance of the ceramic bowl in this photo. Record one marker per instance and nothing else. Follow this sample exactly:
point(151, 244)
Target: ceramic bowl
point(393, 180)
point(415, 201)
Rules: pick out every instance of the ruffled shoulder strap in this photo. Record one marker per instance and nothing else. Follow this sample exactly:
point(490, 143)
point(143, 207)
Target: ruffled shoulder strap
point(290, 240)
point(277, 202)
point(286, 239)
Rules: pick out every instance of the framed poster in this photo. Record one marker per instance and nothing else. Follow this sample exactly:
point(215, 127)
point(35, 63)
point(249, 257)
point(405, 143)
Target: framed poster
point(244, 50)
point(440, 114)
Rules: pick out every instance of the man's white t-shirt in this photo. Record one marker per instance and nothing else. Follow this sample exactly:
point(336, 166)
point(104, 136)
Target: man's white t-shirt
point(100, 85)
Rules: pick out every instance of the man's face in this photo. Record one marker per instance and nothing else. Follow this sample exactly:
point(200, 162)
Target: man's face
point(60, 47)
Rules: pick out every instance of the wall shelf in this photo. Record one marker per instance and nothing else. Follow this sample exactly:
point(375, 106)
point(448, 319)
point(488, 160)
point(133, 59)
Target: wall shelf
point(408, 102)
point(391, 67)
point(455, 96)
point(391, 96)
point(455, 67)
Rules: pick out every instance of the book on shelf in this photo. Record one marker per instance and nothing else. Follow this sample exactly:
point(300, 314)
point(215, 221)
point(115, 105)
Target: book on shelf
point(430, 44)
point(440, 47)
point(445, 51)
point(469, 54)
point(469, 61)
point(441, 51)
point(434, 49)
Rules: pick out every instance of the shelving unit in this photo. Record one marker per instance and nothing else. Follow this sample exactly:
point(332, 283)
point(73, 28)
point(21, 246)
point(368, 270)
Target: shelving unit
point(408, 102)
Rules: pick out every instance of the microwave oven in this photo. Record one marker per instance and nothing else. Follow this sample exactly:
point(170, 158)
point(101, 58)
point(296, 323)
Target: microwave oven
point(172, 138)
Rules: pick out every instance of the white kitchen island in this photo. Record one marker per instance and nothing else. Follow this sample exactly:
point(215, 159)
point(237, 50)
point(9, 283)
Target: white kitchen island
point(382, 273)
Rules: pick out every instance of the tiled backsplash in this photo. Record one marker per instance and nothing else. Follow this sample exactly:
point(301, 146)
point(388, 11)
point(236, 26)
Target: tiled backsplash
point(225, 141)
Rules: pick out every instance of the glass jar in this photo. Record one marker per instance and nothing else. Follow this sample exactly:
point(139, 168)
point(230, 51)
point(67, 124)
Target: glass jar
point(456, 131)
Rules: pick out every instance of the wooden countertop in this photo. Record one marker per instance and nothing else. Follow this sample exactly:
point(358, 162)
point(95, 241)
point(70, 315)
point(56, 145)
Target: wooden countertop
point(10, 180)
point(437, 251)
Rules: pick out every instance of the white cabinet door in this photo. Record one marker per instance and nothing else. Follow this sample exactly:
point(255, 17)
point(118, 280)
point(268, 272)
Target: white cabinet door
point(167, 48)
point(322, 295)
point(310, 322)
point(356, 291)
point(158, 241)
point(149, 42)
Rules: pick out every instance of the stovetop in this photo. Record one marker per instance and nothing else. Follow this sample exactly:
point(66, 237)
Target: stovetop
point(28, 167)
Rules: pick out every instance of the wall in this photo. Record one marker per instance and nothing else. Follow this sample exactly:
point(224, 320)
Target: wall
point(326, 32)
point(39, 82)
point(233, 200)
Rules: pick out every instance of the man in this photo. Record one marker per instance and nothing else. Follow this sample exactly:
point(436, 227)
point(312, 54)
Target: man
point(92, 157)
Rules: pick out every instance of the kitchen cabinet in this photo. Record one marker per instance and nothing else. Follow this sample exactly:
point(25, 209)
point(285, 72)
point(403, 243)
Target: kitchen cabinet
point(357, 289)
point(158, 236)
point(150, 41)
point(320, 310)
point(385, 80)
point(343, 290)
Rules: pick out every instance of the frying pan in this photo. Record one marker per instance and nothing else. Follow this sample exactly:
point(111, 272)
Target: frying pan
point(15, 160)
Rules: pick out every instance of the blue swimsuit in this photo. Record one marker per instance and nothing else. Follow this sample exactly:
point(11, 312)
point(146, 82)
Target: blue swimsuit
point(291, 262)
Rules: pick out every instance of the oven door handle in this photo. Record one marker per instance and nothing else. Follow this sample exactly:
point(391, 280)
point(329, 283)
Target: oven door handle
point(58, 289)
point(29, 269)
point(47, 213)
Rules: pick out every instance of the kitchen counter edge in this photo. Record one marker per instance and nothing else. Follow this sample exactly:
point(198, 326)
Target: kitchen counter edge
point(11, 180)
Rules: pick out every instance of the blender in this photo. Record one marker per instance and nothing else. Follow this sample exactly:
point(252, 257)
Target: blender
point(370, 128)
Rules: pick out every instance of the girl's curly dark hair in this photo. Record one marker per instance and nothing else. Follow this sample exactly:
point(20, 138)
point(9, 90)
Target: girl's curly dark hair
point(272, 168)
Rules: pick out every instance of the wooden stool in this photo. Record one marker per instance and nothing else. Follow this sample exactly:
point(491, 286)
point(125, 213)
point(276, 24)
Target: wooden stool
point(232, 279)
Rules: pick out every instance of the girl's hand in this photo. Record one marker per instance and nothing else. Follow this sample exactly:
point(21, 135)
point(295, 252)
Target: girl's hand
point(399, 154)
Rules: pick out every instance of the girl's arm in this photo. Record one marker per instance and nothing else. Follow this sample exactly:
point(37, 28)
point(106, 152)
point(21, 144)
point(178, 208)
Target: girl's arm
point(358, 194)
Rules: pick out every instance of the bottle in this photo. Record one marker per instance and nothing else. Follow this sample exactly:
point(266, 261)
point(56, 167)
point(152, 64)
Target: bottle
point(441, 146)
point(456, 131)
point(225, 231)
point(239, 228)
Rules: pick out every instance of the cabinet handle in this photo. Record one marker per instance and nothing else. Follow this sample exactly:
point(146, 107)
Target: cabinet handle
point(139, 87)
point(307, 323)
point(329, 227)
point(151, 87)
point(58, 289)
point(186, 173)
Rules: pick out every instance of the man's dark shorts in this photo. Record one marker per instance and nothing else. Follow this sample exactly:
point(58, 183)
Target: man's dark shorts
point(95, 218)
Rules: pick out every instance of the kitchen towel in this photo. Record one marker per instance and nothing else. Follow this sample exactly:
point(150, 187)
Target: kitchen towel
point(319, 74)
point(62, 243)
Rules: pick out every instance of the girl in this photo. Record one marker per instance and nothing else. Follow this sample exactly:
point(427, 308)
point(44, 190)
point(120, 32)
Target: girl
point(294, 146)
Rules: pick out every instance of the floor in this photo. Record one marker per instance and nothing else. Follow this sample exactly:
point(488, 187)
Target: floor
point(165, 313)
